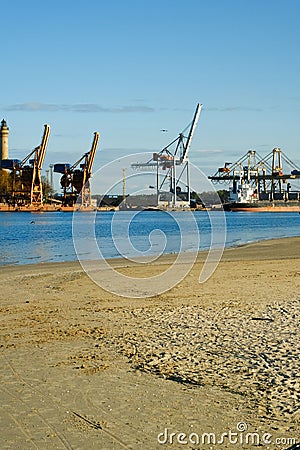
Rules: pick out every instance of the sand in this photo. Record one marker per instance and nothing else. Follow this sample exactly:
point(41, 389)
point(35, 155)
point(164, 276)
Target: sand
point(82, 368)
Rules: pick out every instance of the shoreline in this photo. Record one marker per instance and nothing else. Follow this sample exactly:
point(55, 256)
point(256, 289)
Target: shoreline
point(262, 244)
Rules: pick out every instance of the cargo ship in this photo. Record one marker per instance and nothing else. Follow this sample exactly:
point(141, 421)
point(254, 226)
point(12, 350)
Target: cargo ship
point(261, 185)
point(243, 197)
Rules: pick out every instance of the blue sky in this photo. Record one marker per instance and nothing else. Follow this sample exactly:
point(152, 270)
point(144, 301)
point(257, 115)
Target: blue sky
point(131, 68)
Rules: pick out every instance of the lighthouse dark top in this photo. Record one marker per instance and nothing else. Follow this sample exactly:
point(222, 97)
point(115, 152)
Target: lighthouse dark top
point(3, 124)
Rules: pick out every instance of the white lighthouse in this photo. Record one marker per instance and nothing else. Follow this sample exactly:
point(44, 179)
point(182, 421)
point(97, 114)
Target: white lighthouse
point(4, 130)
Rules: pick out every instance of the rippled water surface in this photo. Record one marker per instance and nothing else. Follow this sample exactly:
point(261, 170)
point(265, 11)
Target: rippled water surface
point(27, 238)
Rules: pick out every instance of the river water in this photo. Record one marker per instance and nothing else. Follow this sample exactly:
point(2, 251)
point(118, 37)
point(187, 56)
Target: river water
point(30, 238)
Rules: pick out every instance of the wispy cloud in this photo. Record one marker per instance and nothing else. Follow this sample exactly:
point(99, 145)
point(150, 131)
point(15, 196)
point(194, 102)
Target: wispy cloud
point(118, 109)
point(80, 107)
point(129, 149)
point(32, 107)
point(208, 151)
point(232, 108)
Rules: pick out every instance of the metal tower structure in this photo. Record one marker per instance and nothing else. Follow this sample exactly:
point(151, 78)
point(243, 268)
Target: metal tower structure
point(262, 178)
point(172, 168)
point(36, 191)
point(75, 180)
point(27, 185)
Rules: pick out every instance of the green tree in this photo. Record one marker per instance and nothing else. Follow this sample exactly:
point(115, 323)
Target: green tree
point(5, 182)
point(223, 194)
point(213, 197)
point(48, 191)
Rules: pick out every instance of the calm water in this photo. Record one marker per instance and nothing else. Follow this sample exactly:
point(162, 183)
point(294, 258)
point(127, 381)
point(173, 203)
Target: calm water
point(27, 238)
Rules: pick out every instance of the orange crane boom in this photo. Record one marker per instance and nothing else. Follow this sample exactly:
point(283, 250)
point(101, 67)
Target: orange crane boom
point(36, 192)
point(92, 152)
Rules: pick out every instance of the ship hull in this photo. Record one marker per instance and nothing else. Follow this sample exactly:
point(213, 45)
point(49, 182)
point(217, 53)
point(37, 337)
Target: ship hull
point(263, 207)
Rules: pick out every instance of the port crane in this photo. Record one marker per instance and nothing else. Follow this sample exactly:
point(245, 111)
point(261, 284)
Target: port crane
point(27, 185)
point(172, 168)
point(75, 180)
point(255, 178)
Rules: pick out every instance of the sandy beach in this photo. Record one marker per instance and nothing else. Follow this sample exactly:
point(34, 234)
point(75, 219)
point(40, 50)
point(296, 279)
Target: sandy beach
point(82, 368)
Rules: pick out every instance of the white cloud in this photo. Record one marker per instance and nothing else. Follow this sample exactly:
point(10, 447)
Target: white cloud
point(80, 107)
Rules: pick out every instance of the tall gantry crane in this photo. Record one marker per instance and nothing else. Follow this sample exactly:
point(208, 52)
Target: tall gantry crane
point(27, 187)
point(75, 180)
point(254, 178)
point(172, 168)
